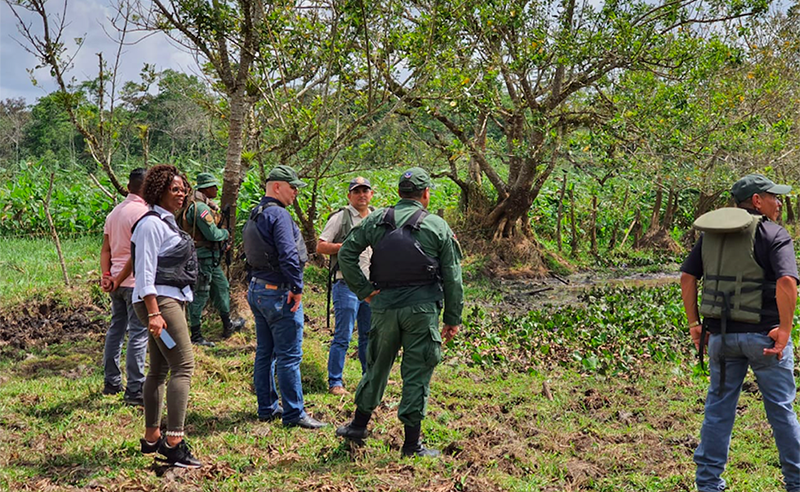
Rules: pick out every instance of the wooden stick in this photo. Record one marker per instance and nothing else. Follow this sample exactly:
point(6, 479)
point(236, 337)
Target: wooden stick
point(53, 229)
point(107, 193)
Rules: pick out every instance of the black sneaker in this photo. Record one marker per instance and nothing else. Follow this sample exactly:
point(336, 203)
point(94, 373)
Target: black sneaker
point(133, 399)
point(148, 448)
point(233, 327)
point(180, 455)
point(112, 389)
point(202, 342)
point(421, 451)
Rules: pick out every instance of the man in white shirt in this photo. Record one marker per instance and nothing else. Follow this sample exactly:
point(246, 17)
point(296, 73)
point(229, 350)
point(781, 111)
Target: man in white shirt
point(347, 308)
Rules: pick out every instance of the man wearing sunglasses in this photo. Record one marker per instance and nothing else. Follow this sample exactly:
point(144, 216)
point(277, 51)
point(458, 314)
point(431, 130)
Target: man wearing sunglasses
point(276, 254)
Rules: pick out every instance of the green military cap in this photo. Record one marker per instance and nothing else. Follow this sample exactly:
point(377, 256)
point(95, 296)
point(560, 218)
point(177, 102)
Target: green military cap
point(751, 184)
point(414, 179)
point(285, 173)
point(206, 180)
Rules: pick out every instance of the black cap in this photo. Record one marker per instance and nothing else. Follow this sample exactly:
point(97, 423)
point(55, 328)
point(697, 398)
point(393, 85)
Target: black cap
point(751, 184)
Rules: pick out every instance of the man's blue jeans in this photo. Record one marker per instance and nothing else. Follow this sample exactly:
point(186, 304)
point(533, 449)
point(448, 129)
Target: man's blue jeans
point(775, 382)
point(348, 310)
point(124, 320)
point(279, 335)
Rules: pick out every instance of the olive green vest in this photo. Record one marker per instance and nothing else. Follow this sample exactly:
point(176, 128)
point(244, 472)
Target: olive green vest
point(732, 279)
point(190, 225)
point(344, 230)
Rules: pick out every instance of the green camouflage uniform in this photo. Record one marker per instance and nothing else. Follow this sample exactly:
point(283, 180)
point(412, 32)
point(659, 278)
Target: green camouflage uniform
point(406, 317)
point(201, 220)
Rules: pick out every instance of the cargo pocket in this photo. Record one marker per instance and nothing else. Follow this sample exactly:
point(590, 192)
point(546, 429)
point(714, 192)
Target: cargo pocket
point(434, 353)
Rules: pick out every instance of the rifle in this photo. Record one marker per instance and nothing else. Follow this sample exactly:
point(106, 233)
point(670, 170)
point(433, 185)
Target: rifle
point(331, 274)
point(225, 222)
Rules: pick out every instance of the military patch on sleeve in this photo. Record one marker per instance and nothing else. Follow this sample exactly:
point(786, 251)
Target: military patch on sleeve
point(206, 215)
point(203, 215)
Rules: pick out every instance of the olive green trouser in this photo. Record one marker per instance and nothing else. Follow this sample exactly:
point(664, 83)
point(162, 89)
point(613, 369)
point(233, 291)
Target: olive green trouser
point(416, 330)
point(211, 282)
point(178, 361)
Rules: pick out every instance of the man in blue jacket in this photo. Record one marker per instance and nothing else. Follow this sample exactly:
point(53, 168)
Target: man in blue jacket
point(276, 255)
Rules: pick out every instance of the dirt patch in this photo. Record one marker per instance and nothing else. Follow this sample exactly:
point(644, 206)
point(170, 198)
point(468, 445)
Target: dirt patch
point(48, 323)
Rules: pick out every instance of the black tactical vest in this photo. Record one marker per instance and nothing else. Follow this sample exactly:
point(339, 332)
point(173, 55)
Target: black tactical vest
point(177, 267)
point(398, 259)
point(260, 254)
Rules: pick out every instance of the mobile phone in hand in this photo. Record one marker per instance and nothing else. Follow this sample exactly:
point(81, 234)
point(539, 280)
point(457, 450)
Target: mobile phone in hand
point(167, 338)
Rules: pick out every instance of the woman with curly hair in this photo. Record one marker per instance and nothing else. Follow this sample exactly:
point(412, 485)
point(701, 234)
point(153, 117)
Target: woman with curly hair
point(165, 268)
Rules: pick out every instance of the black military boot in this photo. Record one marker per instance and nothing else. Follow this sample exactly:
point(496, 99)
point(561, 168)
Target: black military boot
point(197, 337)
point(413, 446)
point(230, 327)
point(356, 430)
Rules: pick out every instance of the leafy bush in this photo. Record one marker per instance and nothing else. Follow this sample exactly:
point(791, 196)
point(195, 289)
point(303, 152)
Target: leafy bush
point(612, 331)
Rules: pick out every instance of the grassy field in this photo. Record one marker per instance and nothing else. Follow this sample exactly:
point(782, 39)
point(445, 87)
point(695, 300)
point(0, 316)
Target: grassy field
point(549, 427)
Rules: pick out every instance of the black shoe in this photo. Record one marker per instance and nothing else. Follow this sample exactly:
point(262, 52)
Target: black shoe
point(133, 399)
point(232, 327)
point(307, 422)
point(112, 389)
point(275, 416)
point(202, 342)
point(352, 433)
point(148, 448)
point(180, 455)
point(421, 451)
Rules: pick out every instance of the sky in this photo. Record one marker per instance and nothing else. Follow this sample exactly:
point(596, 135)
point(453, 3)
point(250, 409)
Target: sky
point(86, 19)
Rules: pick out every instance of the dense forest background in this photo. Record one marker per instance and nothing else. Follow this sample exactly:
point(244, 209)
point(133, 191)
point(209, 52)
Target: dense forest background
point(556, 128)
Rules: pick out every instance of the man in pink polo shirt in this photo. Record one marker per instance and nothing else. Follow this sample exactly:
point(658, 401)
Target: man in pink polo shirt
point(118, 282)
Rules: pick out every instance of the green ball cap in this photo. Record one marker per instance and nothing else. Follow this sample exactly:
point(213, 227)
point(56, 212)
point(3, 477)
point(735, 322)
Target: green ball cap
point(206, 180)
point(414, 179)
point(287, 174)
point(751, 184)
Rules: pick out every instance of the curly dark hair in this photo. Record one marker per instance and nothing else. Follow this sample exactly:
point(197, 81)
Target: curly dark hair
point(157, 179)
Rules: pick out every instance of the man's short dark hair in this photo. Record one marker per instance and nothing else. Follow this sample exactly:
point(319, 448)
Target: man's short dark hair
point(136, 179)
point(414, 195)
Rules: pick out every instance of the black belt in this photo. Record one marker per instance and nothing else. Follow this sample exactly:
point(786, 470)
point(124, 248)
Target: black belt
point(268, 285)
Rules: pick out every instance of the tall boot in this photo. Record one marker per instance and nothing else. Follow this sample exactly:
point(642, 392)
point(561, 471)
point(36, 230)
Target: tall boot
point(413, 446)
point(356, 430)
point(197, 337)
point(230, 327)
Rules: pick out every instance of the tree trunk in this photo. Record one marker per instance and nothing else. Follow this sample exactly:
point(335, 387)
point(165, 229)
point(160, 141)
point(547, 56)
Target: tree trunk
point(307, 219)
point(233, 157)
point(593, 237)
point(560, 212)
point(53, 231)
point(654, 222)
point(789, 211)
point(672, 205)
point(615, 228)
point(573, 244)
point(637, 229)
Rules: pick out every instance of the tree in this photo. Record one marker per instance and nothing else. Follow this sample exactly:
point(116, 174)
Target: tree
point(14, 115)
point(97, 125)
point(536, 72)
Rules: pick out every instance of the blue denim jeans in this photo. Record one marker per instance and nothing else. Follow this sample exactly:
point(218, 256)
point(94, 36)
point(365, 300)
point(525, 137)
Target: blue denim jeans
point(775, 382)
point(279, 349)
point(124, 320)
point(348, 311)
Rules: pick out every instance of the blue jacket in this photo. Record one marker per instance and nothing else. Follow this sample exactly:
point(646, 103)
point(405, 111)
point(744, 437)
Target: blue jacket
point(279, 230)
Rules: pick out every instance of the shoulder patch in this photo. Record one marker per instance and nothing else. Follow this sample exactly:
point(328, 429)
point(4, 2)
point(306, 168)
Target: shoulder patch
point(204, 214)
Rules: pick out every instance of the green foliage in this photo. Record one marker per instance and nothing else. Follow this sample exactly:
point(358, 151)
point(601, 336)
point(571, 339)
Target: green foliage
point(77, 206)
point(612, 330)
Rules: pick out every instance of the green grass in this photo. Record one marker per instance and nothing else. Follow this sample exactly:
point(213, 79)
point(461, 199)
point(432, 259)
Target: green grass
point(30, 267)
point(613, 431)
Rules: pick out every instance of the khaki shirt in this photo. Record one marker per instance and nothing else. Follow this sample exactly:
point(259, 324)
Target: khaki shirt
point(332, 229)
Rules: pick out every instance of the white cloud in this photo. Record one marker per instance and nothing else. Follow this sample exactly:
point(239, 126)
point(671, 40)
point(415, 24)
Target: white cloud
point(86, 19)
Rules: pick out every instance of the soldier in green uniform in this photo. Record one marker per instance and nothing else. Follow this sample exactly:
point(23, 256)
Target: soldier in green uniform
point(414, 274)
point(200, 217)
